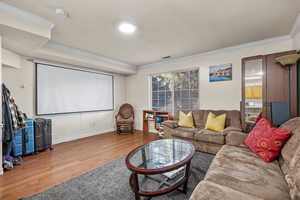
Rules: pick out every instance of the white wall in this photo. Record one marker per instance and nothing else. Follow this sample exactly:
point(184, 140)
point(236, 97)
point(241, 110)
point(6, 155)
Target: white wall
point(68, 126)
point(217, 95)
point(10, 59)
point(296, 41)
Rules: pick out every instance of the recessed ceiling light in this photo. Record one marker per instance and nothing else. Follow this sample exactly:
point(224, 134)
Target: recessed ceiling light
point(127, 28)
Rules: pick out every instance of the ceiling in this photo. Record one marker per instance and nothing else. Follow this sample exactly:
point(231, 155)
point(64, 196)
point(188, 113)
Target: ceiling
point(165, 27)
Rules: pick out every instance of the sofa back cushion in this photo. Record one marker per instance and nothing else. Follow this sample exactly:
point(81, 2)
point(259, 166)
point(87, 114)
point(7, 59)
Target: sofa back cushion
point(293, 175)
point(290, 157)
point(292, 144)
point(198, 116)
point(233, 117)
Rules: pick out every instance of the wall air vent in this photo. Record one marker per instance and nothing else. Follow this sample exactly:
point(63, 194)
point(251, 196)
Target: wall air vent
point(166, 57)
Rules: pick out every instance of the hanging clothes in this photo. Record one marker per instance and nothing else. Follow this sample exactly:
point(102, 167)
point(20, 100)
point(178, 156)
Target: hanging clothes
point(13, 119)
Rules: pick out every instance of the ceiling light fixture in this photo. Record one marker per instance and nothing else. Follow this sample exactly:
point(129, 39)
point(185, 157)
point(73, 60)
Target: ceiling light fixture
point(127, 28)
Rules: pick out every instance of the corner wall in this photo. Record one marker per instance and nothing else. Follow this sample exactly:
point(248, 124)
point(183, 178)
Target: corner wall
point(216, 95)
point(66, 127)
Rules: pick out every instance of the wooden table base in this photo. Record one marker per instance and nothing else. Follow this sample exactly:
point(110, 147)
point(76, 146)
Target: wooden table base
point(134, 183)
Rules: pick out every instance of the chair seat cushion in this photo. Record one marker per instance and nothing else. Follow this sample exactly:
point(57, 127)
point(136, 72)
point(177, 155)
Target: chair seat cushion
point(241, 170)
point(210, 136)
point(130, 120)
point(185, 132)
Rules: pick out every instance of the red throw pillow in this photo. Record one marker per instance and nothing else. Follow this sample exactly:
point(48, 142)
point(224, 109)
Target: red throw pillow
point(258, 117)
point(266, 140)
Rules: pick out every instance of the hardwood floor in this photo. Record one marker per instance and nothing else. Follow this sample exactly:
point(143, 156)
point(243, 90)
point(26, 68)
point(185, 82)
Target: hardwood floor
point(67, 160)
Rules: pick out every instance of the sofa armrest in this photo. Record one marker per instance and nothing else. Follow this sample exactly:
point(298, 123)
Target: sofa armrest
point(236, 138)
point(229, 129)
point(170, 124)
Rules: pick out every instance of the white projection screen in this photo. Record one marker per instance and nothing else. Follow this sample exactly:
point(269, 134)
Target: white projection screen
point(62, 90)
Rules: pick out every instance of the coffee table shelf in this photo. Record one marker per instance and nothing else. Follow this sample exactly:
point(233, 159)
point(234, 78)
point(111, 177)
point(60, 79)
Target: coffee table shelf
point(150, 163)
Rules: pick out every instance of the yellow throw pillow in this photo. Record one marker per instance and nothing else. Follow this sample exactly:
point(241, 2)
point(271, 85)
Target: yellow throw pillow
point(215, 123)
point(186, 120)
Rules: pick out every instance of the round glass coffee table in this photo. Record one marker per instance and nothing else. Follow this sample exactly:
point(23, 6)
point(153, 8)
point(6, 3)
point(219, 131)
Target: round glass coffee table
point(160, 167)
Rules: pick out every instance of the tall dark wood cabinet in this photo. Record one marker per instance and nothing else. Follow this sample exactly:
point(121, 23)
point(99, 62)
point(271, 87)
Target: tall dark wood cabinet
point(265, 81)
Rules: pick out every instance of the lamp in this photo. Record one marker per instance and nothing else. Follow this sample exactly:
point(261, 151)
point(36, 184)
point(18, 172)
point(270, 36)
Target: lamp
point(288, 61)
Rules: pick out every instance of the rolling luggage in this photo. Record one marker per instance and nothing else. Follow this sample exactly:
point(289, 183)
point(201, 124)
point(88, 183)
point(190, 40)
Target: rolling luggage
point(23, 140)
point(43, 134)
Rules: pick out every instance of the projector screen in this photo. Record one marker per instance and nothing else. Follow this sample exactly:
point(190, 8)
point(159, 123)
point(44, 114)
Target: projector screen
point(64, 90)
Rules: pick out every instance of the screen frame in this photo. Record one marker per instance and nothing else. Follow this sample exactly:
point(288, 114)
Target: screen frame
point(74, 69)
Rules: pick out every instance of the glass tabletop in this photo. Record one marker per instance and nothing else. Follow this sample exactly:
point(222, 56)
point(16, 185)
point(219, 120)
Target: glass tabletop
point(161, 154)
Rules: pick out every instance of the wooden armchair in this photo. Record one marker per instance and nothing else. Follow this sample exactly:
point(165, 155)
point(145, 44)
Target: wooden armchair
point(125, 119)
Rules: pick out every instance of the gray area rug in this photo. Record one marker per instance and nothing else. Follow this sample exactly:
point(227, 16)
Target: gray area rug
point(110, 182)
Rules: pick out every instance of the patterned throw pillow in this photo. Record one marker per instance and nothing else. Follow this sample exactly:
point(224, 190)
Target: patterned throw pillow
point(266, 140)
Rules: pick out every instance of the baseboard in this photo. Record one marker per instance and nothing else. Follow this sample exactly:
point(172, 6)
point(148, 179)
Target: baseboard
point(68, 139)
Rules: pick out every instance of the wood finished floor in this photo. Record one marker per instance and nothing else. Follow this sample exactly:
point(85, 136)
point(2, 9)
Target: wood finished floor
point(67, 160)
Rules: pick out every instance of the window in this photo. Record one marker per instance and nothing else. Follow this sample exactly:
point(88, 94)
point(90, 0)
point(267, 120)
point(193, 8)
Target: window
point(174, 91)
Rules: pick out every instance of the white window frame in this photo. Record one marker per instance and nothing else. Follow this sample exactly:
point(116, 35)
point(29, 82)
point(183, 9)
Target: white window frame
point(173, 98)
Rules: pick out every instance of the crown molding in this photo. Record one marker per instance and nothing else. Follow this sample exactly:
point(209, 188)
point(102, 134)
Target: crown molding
point(60, 53)
point(87, 54)
point(223, 50)
point(16, 18)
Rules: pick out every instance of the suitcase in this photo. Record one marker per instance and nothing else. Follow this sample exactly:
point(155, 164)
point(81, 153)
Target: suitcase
point(43, 134)
point(23, 140)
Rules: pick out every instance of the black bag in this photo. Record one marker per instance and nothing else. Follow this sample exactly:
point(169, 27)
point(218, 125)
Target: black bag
point(43, 134)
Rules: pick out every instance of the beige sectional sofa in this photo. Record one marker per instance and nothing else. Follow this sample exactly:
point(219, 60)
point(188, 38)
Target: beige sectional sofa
point(205, 140)
point(236, 173)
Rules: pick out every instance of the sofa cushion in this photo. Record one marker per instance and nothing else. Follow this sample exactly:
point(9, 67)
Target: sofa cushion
point(185, 132)
point(241, 170)
point(170, 123)
point(215, 123)
point(290, 157)
point(236, 138)
point(266, 141)
point(210, 136)
point(230, 129)
point(186, 120)
point(233, 117)
point(293, 175)
point(293, 143)
point(206, 190)
point(199, 120)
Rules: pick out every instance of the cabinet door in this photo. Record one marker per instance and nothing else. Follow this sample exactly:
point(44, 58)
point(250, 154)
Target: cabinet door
point(277, 79)
point(253, 90)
